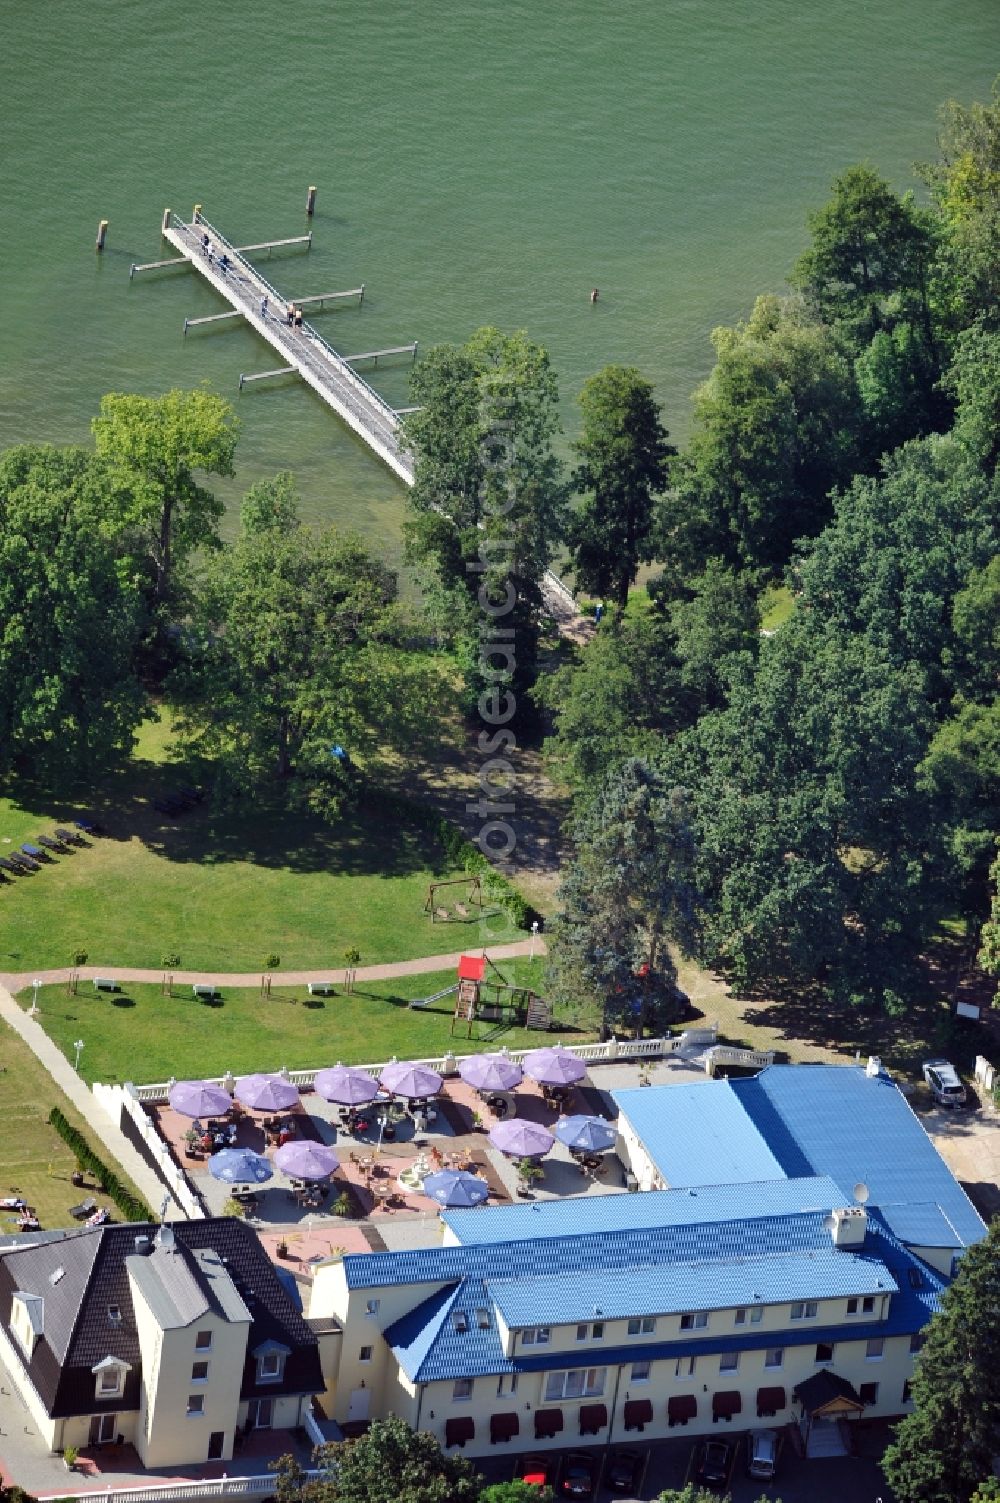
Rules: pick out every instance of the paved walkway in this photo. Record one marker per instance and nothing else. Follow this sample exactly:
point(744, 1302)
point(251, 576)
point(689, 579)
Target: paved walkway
point(426, 964)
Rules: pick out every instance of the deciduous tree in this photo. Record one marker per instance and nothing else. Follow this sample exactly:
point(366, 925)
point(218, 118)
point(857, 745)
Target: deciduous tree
point(390, 1463)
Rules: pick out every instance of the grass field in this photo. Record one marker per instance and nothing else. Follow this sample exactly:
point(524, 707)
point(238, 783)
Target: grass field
point(145, 1036)
point(220, 888)
point(34, 1160)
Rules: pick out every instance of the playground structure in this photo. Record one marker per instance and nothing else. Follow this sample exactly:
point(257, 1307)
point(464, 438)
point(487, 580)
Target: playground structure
point(459, 911)
point(480, 997)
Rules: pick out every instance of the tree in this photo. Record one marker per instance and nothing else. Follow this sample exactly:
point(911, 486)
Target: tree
point(965, 182)
point(867, 267)
point(516, 1491)
point(295, 655)
point(776, 428)
point(389, 1464)
point(716, 626)
point(945, 1448)
point(623, 453)
point(488, 499)
point(156, 444)
point(974, 378)
point(628, 890)
point(989, 940)
point(70, 620)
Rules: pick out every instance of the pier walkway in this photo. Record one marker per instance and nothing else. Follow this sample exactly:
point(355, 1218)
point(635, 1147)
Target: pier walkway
point(305, 352)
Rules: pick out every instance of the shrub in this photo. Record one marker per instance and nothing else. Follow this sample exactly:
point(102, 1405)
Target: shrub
point(131, 1207)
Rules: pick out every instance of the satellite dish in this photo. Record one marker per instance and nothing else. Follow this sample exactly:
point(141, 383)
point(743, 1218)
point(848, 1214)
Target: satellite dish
point(830, 1222)
point(861, 1192)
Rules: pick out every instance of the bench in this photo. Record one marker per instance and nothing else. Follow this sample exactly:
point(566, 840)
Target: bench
point(105, 984)
point(205, 989)
point(321, 989)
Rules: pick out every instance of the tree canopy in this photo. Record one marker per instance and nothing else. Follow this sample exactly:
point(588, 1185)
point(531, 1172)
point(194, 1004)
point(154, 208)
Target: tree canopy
point(390, 1463)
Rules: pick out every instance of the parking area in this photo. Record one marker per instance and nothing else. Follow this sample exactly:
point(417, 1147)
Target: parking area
point(671, 1463)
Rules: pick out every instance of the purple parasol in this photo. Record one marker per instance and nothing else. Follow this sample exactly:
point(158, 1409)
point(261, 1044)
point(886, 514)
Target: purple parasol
point(306, 1160)
point(456, 1187)
point(197, 1098)
point(240, 1166)
point(491, 1072)
point(415, 1081)
point(266, 1093)
point(586, 1134)
point(347, 1085)
point(521, 1139)
point(554, 1066)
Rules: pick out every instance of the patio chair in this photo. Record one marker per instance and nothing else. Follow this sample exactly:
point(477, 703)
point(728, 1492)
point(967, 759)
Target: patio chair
point(85, 1208)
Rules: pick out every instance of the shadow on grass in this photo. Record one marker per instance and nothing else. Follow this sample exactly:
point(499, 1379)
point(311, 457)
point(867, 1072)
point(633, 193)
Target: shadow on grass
point(120, 1001)
point(259, 829)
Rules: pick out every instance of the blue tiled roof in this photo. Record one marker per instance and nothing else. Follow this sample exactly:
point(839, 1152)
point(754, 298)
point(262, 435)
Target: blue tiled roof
point(665, 1290)
point(808, 1120)
point(581, 1214)
point(923, 1225)
point(699, 1134)
point(443, 1353)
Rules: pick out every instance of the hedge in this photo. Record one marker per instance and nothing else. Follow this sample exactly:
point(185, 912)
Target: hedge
point(131, 1207)
point(460, 851)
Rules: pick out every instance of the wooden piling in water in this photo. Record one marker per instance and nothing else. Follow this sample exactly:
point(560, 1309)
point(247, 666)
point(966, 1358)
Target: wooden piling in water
point(311, 202)
point(102, 234)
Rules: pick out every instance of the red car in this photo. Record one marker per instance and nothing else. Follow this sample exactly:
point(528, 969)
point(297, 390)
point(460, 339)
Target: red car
point(534, 1469)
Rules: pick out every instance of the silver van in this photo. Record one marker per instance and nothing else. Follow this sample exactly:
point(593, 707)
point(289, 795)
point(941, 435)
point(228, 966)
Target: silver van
point(762, 1454)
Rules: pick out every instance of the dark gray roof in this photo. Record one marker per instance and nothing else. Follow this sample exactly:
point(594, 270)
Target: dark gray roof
point(79, 1332)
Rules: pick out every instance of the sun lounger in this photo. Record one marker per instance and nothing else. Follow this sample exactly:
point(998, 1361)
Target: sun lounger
point(26, 864)
point(69, 836)
point(50, 844)
point(85, 826)
point(85, 1208)
point(7, 866)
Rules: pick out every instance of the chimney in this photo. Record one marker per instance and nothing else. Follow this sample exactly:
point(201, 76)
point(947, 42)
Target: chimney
point(848, 1226)
point(143, 1245)
point(874, 1067)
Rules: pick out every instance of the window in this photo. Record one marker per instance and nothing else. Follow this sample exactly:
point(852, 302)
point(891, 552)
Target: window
point(695, 1322)
point(109, 1382)
point(203, 1341)
point(372, 1306)
point(582, 1332)
point(916, 1341)
point(729, 1362)
point(115, 1315)
point(199, 1372)
point(462, 1389)
point(874, 1349)
point(535, 1336)
point(460, 1321)
point(196, 1403)
point(774, 1356)
point(907, 1391)
point(507, 1386)
point(365, 1354)
point(640, 1372)
point(754, 1314)
point(824, 1351)
point(804, 1310)
point(578, 1383)
point(270, 1366)
point(868, 1393)
point(684, 1367)
point(597, 1330)
point(916, 1278)
point(483, 1319)
point(644, 1327)
point(866, 1305)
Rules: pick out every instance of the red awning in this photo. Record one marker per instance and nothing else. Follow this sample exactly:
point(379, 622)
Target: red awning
point(548, 1422)
point(593, 1418)
point(503, 1427)
point(724, 1405)
point(681, 1408)
point(770, 1401)
point(638, 1412)
point(471, 967)
point(458, 1431)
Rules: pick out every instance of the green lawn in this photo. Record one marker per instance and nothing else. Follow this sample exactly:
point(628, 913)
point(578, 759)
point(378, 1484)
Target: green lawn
point(144, 1036)
point(776, 605)
point(34, 1160)
point(220, 888)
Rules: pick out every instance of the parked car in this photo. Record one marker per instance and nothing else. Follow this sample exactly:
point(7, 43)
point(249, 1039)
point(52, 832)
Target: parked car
point(623, 1472)
point(578, 1475)
point(942, 1077)
point(534, 1468)
point(713, 1464)
point(762, 1454)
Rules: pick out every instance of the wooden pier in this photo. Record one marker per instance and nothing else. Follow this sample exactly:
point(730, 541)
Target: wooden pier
point(304, 351)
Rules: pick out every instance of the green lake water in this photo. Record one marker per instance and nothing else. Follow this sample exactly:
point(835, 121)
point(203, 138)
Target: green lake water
point(475, 164)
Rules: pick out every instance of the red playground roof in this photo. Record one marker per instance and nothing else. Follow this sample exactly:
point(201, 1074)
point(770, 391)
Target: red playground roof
point(471, 967)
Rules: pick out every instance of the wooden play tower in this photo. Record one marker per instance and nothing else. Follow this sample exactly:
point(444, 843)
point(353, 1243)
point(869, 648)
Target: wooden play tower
point(492, 999)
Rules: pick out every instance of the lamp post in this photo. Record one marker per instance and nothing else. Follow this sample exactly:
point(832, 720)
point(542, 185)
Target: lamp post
point(35, 987)
point(78, 1045)
point(534, 936)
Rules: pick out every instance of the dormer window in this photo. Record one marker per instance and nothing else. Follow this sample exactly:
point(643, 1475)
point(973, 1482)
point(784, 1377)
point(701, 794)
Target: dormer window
point(271, 1358)
point(483, 1320)
point(115, 1315)
point(460, 1321)
point(109, 1378)
point(27, 1317)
